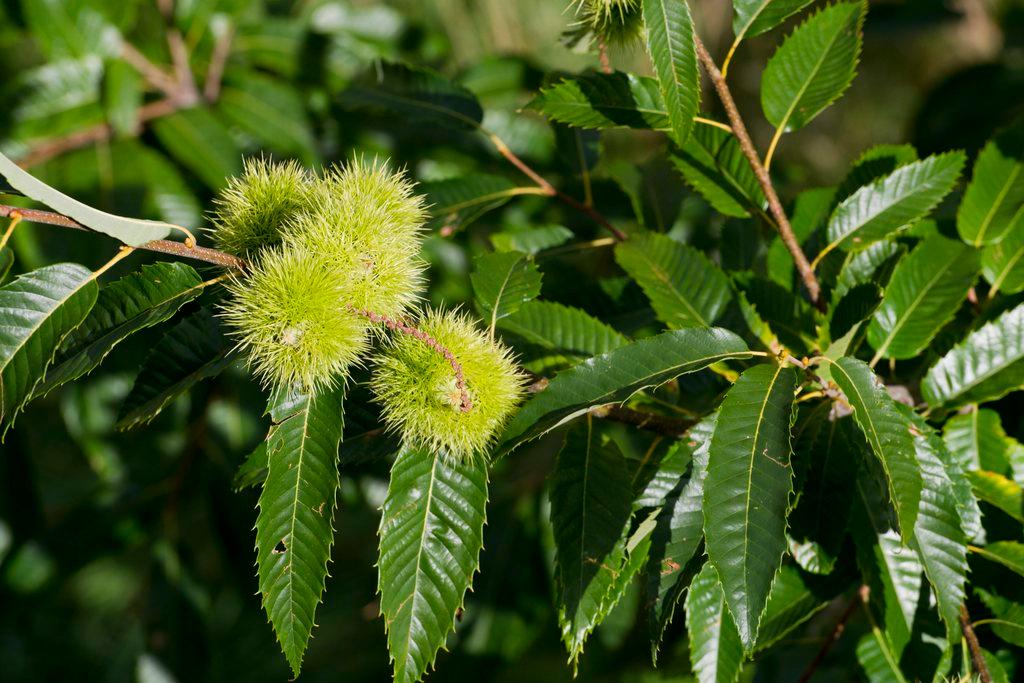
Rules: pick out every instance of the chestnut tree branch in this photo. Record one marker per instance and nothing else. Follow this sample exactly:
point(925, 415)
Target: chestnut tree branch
point(977, 658)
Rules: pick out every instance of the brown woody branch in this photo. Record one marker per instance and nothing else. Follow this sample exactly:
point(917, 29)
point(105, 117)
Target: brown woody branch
point(803, 266)
point(837, 631)
point(197, 253)
point(977, 658)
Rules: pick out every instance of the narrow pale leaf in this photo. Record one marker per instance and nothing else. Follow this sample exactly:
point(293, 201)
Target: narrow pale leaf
point(876, 655)
point(978, 440)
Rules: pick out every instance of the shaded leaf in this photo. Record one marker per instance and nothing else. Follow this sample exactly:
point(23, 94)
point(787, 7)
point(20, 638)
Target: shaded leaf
point(431, 533)
point(503, 282)
point(746, 494)
point(978, 440)
point(874, 164)
point(876, 655)
point(1010, 554)
point(716, 653)
point(671, 45)
point(269, 110)
point(790, 603)
point(994, 198)
point(122, 96)
point(253, 470)
point(598, 100)
point(1002, 264)
point(457, 202)
point(713, 164)
point(531, 240)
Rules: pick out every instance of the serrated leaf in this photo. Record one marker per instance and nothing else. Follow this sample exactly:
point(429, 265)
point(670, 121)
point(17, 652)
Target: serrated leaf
point(617, 375)
point(814, 66)
point(253, 470)
point(416, 95)
point(924, 293)
point(998, 491)
point(431, 533)
point(978, 440)
point(193, 350)
point(457, 202)
point(747, 490)
point(562, 328)
point(684, 287)
point(1002, 264)
point(594, 100)
point(132, 231)
point(679, 531)
point(712, 162)
point(531, 240)
point(716, 652)
point(591, 507)
point(1010, 554)
point(790, 603)
point(502, 282)
point(896, 201)
point(888, 434)
point(985, 366)
point(867, 265)
point(294, 529)
point(876, 655)
point(994, 199)
point(874, 164)
point(754, 17)
point(672, 47)
point(1009, 624)
point(38, 311)
point(124, 307)
point(199, 141)
point(939, 536)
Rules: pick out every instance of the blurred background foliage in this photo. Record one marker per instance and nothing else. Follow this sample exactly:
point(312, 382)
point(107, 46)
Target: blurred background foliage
point(127, 556)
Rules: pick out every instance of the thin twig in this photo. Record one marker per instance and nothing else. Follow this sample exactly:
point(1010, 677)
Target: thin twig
point(218, 61)
point(466, 403)
point(763, 179)
point(977, 658)
point(160, 246)
point(153, 74)
point(187, 93)
point(602, 53)
point(834, 636)
point(652, 422)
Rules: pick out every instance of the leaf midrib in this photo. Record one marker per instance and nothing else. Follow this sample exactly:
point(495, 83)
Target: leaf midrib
point(663, 277)
point(1000, 196)
point(415, 597)
point(294, 515)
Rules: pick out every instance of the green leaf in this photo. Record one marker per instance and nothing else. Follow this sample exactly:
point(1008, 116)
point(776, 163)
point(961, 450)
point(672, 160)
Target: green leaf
point(874, 164)
point(994, 199)
point(253, 471)
point(617, 375)
point(418, 96)
point(193, 350)
point(867, 265)
point(65, 29)
point(876, 654)
point(133, 303)
point(888, 434)
point(685, 288)
point(746, 494)
point(978, 440)
point(924, 293)
point(531, 240)
point(595, 100)
point(983, 367)
point(754, 17)
point(713, 164)
point(38, 311)
point(270, 111)
point(6, 261)
point(502, 282)
point(679, 530)
point(1009, 617)
point(591, 507)
point(1010, 554)
point(854, 307)
point(200, 142)
point(1002, 264)
point(123, 91)
point(673, 51)
point(562, 328)
point(294, 529)
point(431, 533)
point(132, 231)
point(903, 197)
point(716, 653)
point(998, 491)
point(938, 532)
point(790, 603)
point(172, 198)
point(457, 202)
point(814, 66)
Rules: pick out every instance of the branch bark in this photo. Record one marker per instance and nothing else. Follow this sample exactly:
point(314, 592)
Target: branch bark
point(739, 129)
point(977, 658)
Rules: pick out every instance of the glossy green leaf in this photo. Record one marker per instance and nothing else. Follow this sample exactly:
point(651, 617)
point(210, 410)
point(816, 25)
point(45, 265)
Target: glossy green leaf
point(985, 366)
point(716, 652)
point(456, 202)
point(888, 434)
point(679, 531)
point(814, 66)
point(1002, 264)
point(199, 141)
point(896, 201)
point(253, 471)
point(994, 199)
point(594, 100)
point(38, 311)
point(978, 440)
point(502, 282)
point(747, 491)
point(124, 307)
point(685, 288)
point(591, 507)
point(998, 491)
point(672, 47)
point(193, 350)
point(294, 530)
point(712, 162)
point(132, 231)
point(791, 603)
point(874, 164)
point(924, 293)
point(867, 265)
point(1010, 554)
point(431, 533)
point(562, 328)
point(754, 17)
point(876, 655)
point(617, 375)
point(416, 95)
